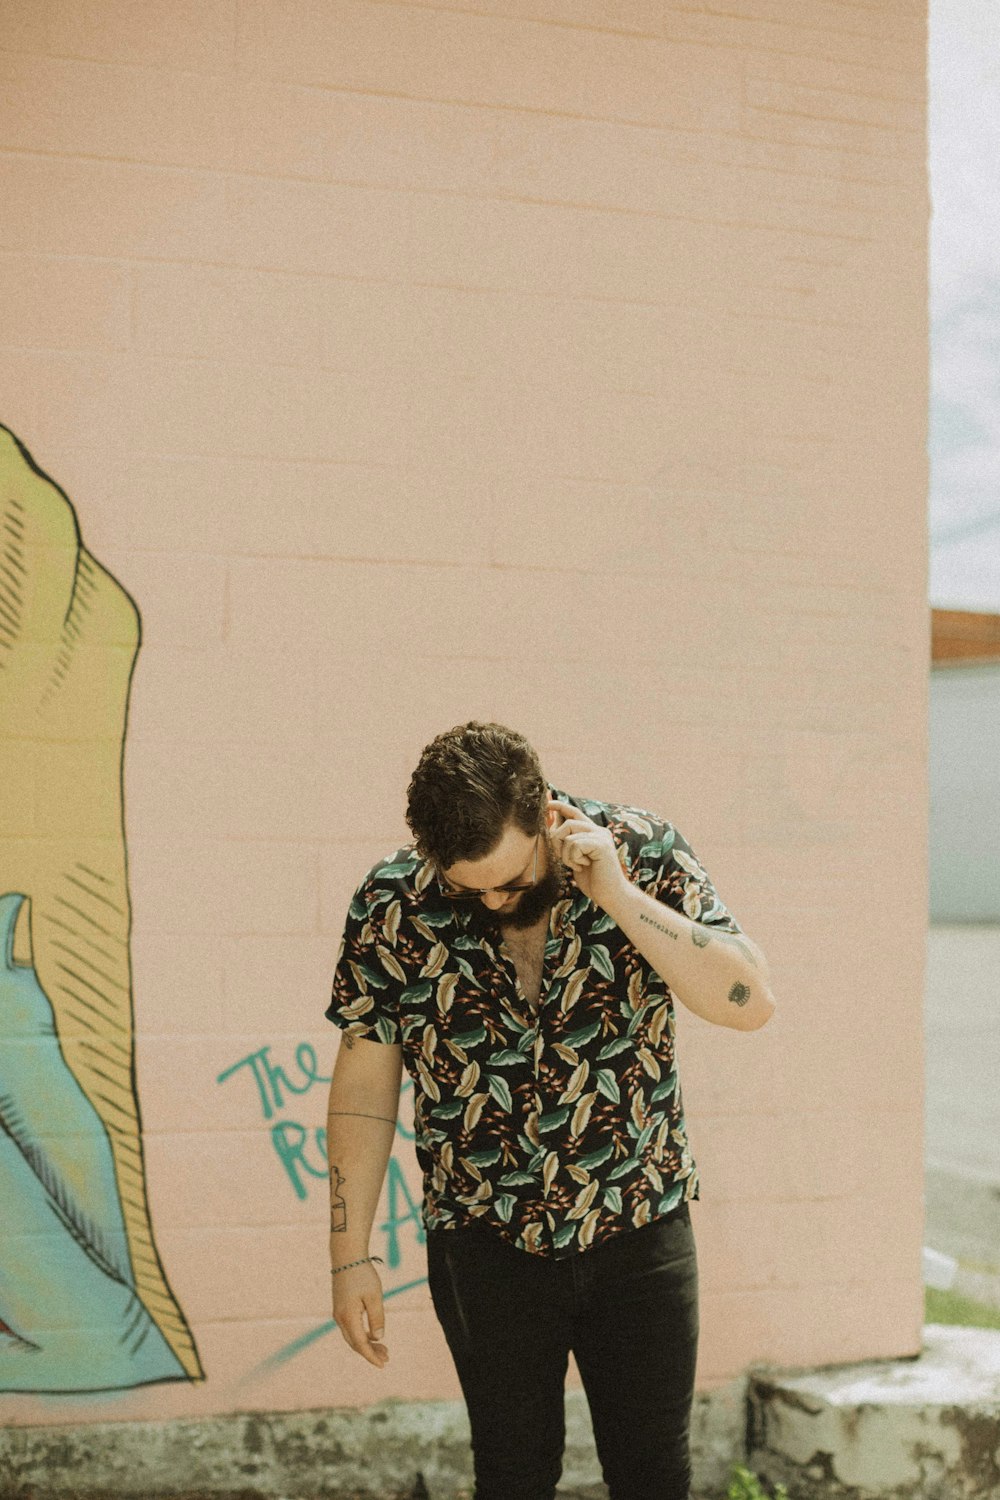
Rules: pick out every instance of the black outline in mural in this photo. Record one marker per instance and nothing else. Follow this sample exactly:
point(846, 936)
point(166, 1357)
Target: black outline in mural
point(85, 1207)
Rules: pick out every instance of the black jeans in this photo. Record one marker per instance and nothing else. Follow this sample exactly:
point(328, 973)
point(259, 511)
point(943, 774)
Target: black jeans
point(628, 1309)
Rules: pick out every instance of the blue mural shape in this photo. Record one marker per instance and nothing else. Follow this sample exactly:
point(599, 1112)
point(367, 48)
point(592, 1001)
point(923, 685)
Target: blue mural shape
point(70, 1317)
point(85, 1304)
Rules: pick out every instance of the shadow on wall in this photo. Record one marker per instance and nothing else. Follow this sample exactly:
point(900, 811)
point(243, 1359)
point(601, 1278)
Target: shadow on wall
point(84, 1303)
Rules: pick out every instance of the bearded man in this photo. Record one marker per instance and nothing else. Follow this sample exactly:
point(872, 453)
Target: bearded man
point(521, 958)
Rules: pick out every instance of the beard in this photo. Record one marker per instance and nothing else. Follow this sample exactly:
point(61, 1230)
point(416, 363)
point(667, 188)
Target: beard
point(532, 904)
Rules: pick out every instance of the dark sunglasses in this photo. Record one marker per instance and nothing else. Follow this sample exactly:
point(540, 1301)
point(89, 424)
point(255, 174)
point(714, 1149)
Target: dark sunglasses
point(458, 894)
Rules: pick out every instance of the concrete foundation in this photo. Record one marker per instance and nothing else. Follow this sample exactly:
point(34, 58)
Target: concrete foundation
point(396, 1449)
point(927, 1427)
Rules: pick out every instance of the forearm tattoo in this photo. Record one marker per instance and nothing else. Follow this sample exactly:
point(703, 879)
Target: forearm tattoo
point(338, 1207)
point(658, 925)
point(348, 1040)
point(739, 942)
point(701, 936)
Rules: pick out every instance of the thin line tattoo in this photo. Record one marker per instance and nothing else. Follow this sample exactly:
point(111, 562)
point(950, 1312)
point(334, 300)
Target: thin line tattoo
point(360, 1115)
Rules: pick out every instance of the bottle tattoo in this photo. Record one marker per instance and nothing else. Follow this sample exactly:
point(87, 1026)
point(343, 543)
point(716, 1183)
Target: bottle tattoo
point(338, 1205)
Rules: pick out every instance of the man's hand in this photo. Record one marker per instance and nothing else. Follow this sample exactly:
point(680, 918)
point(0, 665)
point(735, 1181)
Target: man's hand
point(588, 851)
point(357, 1292)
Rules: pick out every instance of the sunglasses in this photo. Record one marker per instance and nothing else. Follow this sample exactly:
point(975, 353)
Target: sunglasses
point(458, 893)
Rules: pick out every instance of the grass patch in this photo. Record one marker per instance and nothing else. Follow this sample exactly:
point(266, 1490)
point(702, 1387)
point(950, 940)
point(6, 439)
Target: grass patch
point(989, 1267)
point(950, 1307)
point(744, 1484)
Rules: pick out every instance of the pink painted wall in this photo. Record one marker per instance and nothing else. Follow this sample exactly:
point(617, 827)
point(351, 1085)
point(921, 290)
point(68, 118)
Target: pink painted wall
point(539, 360)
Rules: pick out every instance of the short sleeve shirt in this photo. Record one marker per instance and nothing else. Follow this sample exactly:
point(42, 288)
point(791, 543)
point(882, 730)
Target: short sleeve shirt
point(558, 1127)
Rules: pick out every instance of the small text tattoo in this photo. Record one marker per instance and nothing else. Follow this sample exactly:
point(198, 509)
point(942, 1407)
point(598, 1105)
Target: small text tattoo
point(739, 994)
point(338, 1206)
point(658, 925)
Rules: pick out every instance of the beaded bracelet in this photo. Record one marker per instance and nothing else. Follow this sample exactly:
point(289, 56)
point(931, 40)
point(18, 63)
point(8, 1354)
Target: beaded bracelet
point(361, 1262)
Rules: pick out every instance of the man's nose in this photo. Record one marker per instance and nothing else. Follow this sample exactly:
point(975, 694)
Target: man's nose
point(495, 899)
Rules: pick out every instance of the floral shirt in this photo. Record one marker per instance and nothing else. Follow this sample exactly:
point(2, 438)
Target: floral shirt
point(561, 1126)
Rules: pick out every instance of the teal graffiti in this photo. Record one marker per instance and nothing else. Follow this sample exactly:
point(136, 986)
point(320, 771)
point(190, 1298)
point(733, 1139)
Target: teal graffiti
point(271, 1079)
point(302, 1153)
point(300, 1149)
point(293, 1142)
point(396, 1186)
point(289, 1351)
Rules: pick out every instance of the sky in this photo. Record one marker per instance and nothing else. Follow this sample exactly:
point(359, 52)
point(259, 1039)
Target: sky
point(964, 440)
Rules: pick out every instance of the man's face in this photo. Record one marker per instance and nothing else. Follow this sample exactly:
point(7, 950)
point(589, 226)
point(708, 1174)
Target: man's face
point(511, 863)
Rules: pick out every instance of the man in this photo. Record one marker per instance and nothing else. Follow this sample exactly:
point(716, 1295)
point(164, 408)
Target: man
point(521, 958)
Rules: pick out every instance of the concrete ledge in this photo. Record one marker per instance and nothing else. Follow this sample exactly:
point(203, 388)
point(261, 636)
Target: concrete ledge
point(926, 1427)
point(394, 1450)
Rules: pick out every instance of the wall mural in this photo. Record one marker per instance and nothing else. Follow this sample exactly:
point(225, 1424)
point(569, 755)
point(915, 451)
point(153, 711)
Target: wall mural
point(84, 1301)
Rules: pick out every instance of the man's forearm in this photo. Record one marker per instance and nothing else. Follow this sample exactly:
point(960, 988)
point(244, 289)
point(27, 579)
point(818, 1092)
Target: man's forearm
point(358, 1146)
point(719, 975)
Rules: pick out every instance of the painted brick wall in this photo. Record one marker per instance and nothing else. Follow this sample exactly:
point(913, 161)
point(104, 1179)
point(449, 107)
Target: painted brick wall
point(541, 360)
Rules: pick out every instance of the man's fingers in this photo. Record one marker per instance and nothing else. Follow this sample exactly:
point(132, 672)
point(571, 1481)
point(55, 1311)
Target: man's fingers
point(351, 1325)
point(569, 831)
point(375, 1315)
point(572, 818)
point(566, 811)
point(580, 849)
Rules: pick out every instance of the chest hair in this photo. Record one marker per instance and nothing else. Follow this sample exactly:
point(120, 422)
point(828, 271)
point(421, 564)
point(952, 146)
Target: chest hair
point(527, 949)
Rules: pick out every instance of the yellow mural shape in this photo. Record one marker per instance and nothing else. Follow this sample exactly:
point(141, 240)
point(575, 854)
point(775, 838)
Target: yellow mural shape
point(84, 1301)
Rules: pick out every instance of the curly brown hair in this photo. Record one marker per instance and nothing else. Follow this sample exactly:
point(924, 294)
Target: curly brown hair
point(470, 782)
